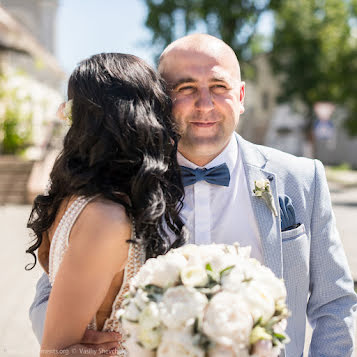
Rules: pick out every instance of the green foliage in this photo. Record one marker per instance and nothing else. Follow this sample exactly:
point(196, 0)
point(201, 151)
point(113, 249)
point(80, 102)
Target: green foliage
point(233, 21)
point(314, 43)
point(15, 115)
point(314, 50)
point(342, 167)
point(16, 132)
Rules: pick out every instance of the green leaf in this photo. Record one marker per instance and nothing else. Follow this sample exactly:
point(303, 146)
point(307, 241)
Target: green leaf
point(209, 267)
point(279, 336)
point(226, 270)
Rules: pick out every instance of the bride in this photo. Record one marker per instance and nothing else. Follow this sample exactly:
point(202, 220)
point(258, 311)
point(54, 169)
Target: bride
point(114, 198)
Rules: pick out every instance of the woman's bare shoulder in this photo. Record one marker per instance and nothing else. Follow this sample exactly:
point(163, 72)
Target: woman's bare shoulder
point(103, 219)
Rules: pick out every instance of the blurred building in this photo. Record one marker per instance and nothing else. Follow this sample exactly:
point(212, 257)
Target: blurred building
point(267, 122)
point(31, 73)
point(260, 101)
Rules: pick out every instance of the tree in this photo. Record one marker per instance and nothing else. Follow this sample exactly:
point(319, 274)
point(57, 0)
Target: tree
point(314, 46)
point(233, 21)
point(316, 53)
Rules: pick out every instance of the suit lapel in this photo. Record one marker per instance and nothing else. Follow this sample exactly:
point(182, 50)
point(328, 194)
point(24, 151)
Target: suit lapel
point(269, 225)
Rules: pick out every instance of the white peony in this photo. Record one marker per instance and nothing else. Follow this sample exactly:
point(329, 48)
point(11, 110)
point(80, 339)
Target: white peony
point(162, 271)
point(253, 272)
point(194, 275)
point(181, 305)
point(188, 250)
point(150, 317)
point(245, 269)
point(260, 303)
point(176, 343)
point(272, 285)
point(232, 281)
point(227, 320)
point(222, 261)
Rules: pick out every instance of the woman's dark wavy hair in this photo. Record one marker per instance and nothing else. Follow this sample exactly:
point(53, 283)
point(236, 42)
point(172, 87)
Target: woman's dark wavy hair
point(121, 139)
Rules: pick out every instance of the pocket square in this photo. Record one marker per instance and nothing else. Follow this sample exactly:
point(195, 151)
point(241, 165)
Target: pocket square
point(287, 214)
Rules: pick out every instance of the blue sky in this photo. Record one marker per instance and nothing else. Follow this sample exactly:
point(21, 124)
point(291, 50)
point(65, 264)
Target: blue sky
point(92, 26)
point(87, 27)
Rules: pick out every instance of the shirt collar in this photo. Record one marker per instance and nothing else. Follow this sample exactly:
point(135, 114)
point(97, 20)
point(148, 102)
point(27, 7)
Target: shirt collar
point(229, 156)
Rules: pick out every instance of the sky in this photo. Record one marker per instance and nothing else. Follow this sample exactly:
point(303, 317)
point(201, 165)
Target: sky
point(87, 27)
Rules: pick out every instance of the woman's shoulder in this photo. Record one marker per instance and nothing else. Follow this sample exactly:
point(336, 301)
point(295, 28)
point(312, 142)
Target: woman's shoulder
point(106, 210)
point(103, 219)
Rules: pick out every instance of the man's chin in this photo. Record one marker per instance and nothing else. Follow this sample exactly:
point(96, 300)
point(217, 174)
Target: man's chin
point(201, 147)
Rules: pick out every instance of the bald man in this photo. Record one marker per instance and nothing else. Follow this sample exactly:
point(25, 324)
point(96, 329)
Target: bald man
point(296, 237)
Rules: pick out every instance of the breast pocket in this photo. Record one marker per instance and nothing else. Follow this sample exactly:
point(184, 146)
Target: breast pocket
point(296, 252)
point(293, 233)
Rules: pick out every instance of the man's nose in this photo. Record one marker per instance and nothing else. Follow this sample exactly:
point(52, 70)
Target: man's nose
point(204, 101)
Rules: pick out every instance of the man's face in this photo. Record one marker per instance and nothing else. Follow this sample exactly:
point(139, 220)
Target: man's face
point(207, 101)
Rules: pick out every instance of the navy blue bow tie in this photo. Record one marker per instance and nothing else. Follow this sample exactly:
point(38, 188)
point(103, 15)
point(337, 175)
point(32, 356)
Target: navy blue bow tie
point(218, 175)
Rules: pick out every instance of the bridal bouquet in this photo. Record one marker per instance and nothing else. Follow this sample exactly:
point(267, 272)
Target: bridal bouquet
point(205, 301)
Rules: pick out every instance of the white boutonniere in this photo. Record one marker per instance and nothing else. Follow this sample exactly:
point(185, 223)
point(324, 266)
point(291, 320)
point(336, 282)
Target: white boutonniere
point(262, 189)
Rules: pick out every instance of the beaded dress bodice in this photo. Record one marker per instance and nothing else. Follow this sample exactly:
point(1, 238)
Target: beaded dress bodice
point(59, 244)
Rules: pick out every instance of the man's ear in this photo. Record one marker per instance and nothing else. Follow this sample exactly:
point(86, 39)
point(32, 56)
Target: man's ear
point(242, 92)
point(241, 96)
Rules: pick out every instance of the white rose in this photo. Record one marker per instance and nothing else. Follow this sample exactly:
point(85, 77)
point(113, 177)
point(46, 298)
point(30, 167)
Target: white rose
point(227, 320)
point(176, 343)
point(260, 303)
point(150, 338)
point(162, 271)
point(150, 317)
point(181, 305)
point(194, 275)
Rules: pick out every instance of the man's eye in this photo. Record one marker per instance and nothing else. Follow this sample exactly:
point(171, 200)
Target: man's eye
point(186, 89)
point(219, 88)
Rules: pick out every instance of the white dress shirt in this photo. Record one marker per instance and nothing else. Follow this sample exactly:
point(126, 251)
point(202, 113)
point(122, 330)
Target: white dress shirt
point(219, 214)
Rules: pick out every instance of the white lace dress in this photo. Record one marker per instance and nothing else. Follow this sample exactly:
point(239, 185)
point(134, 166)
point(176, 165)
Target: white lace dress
point(59, 244)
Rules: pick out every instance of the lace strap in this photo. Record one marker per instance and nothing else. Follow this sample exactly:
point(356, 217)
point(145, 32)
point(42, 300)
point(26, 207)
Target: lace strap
point(60, 238)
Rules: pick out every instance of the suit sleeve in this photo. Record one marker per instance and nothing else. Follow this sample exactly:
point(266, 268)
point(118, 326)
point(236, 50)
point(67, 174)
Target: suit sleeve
point(38, 308)
point(332, 303)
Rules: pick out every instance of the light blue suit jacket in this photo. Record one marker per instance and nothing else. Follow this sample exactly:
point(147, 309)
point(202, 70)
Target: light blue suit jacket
point(310, 258)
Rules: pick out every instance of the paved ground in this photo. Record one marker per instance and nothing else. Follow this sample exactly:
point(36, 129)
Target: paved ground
point(18, 285)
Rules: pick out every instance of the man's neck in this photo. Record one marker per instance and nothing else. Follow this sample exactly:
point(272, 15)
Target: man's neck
point(200, 160)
